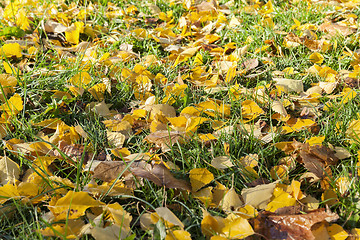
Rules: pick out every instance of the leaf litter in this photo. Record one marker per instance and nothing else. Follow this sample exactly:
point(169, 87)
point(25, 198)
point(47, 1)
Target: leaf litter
point(160, 121)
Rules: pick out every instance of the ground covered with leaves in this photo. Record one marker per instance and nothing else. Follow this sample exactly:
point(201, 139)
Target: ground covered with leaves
point(179, 119)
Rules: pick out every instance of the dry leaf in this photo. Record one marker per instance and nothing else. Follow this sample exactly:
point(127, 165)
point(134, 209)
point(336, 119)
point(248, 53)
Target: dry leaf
point(316, 158)
point(9, 171)
point(164, 139)
point(334, 29)
point(157, 173)
point(278, 107)
point(222, 162)
point(169, 216)
point(200, 177)
point(258, 196)
point(293, 226)
point(290, 84)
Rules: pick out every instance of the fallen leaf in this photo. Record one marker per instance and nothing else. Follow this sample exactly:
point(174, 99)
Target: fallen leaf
point(278, 107)
point(164, 139)
point(231, 201)
point(294, 226)
point(290, 84)
point(73, 205)
point(258, 196)
point(335, 29)
point(9, 171)
point(157, 173)
point(178, 235)
point(200, 177)
point(336, 232)
point(54, 27)
point(222, 162)
point(169, 216)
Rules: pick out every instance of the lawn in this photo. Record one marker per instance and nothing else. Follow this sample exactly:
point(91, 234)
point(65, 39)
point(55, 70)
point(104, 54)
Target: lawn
point(179, 119)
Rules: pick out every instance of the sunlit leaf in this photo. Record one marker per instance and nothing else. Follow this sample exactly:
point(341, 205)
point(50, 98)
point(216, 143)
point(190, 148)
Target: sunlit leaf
point(200, 177)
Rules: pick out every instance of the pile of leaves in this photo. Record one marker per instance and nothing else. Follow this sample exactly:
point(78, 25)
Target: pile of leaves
point(179, 119)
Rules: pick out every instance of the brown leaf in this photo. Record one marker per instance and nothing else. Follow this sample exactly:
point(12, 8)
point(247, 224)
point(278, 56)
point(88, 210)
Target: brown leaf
point(250, 64)
point(75, 152)
point(291, 226)
point(205, 6)
point(316, 158)
point(161, 176)
point(108, 171)
point(164, 139)
point(352, 82)
point(334, 29)
point(157, 173)
point(54, 27)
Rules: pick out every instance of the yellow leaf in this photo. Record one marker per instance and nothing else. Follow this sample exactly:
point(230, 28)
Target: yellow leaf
point(250, 110)
point(76, 91)
point(199, 177)
point(11, 49)
point(299, 125)
point(336, 232)
point(258, 196)
point(353, 130)
point(315, 140)
point(22, 20)
point(247, 212)
point(294, 190)
point(50, 123)
point(279, 172)
point(81, 79)
point(71, 230)
point(190, 112)
point(250, 160)
point(348, 94)
point(178, 235)
point(72, 33)
point(8, 191)
point(211, 225)
point(316, 58)
point(97, 91)
point(10, 69)
point(329, 197)
point(342, 184)
point(230, 74)
point(237, 228)
point(13, 106)
point(115, 139)
point(194, 123)
point(320, 231)
point(119, 216)
point(290, 84)
point(281, 199)
point(198, 60)
point(206, 137)
point(205, 195)
point(139, 113)
point(73, 205)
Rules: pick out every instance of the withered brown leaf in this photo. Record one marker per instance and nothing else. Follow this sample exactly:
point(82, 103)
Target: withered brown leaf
point(157, 173)
point(316, 159)
point(164, 139)
point(74, 151)
point(295, 226)
point(250, 64)
point(334, 29)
